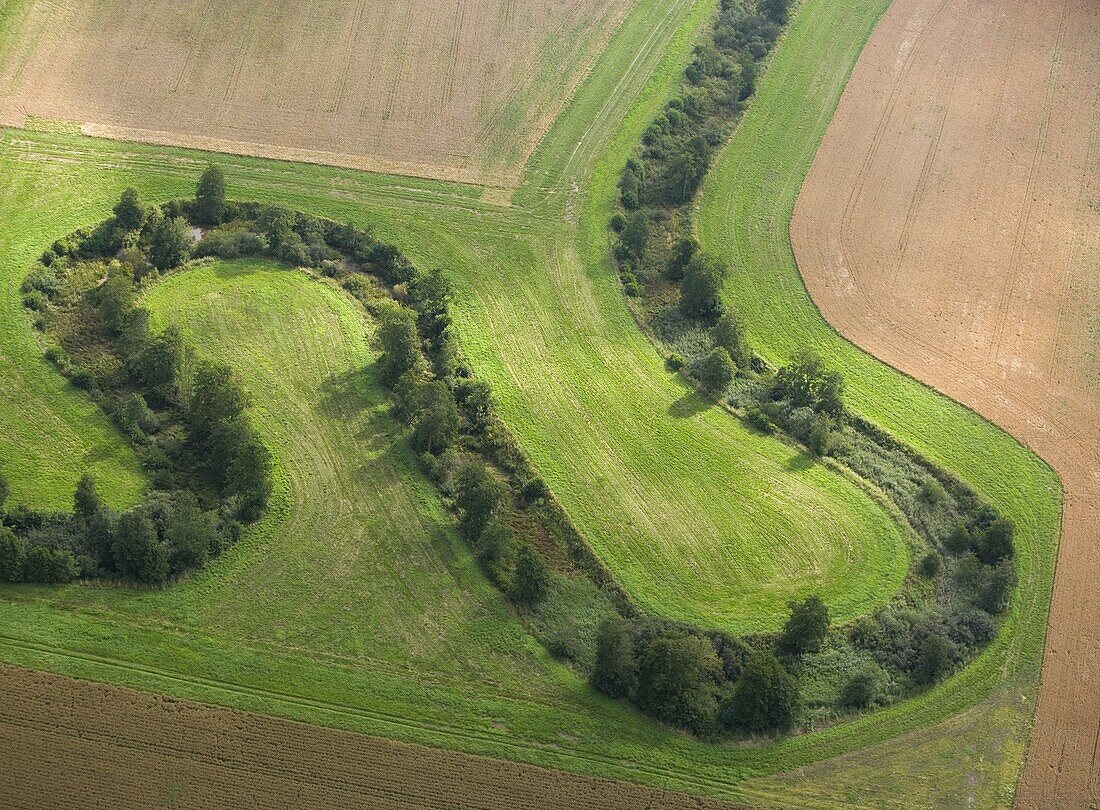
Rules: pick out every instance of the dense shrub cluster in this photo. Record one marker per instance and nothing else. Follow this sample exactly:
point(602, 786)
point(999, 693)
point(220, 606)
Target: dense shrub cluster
point(710, 683)
point(962, 578)
point(675, 154)
point(209, 470)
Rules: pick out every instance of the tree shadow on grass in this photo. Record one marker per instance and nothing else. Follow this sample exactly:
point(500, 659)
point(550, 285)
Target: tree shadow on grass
point(801, 461)
point(690, 404)
point(349, 397)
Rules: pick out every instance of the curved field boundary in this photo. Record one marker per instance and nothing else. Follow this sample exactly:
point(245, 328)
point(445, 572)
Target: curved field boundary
point(459, 90)
point(967, 153)
point(58, 182)
point(743, 216)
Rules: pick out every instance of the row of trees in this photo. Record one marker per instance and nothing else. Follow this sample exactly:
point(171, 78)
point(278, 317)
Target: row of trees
point(709, 683)
point(417, 363)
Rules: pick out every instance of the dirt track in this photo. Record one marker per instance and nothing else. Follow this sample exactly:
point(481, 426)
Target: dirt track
point(90, 745)
point(951, 226)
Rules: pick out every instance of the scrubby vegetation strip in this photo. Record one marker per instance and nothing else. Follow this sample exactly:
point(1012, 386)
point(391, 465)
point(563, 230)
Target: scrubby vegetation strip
point(209, 471)
point(945, 613)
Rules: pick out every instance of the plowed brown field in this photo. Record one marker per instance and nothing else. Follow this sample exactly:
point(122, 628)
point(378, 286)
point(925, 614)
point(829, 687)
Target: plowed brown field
point(84, 744)
point(454, 89)
point(951, 226)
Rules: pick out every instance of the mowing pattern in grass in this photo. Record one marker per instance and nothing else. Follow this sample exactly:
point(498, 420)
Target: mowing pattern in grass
point(744, 216)
point(54, 183)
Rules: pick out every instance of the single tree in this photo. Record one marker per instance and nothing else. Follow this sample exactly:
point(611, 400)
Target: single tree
point(476, 397)
point(115, 299)
point(138, 552)
point(493, 543)
point(215, 398)
point(160, 361)
point(13, 552)
point(400, 345)
point(716, 370)
point(934, 659)
point(863, 688)
point(86, 501)
point(171, 244)
point(190, 536)
point(616, 669)
point(701, 288)
point(729, 333)
point(49, 567)
point(5, 490)
point(249, 478)
point(996, 542)
point(129, 212)
point(635, 235)
point(805, 630)
point(677, 680)
point(997, 585)
point(531, 580)
point(806, 382)
point(679, 257)
point(765, 700)
point(776, 10)
point(209, 207)
point(630, 184)
point(435, 426)
point(479, 494)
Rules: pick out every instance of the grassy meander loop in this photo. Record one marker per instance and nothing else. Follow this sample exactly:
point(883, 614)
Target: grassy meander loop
point(744, 216)
point(384, 625)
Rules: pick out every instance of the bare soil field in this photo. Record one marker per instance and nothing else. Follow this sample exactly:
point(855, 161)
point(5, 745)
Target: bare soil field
point(458, 89)
point(951, 226)
point(83, 744)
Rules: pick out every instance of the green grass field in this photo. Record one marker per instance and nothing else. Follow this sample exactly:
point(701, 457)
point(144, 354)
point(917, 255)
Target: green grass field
point(620, 440)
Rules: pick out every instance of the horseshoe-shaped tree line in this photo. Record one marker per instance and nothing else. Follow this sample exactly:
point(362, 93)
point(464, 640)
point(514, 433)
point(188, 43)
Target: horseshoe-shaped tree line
point(210, 474)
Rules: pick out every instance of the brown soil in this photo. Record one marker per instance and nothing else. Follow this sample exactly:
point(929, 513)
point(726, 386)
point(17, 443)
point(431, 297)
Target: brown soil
point(951, 226)
point(90, 745)
point(454, 89)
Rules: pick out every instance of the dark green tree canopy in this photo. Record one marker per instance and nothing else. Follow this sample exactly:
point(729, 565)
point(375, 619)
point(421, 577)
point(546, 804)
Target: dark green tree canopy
point(138, 552)
point(215, 397)
point(435, 426)
point(13, 551)
point(479, 494)
point(716, 370)
point(701, 289)
point(531, 580)
point(400, 345)
point(171, 243)
point(806, 382)
point(209, 209)
point(86, 501)
point(159, 362)
point(806, 628)
point(616, 670)
point(677, 679)
point(129, 212)
point(766, 698)
point(729, 333)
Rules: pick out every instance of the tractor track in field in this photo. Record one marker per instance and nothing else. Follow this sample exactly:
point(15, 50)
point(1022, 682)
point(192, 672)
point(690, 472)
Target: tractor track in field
point(136, 749)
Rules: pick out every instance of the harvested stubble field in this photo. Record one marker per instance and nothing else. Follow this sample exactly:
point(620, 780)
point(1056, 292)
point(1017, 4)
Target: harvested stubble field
point(145, 750)
point(461, 89)
point(533, 281)
point(951, 226)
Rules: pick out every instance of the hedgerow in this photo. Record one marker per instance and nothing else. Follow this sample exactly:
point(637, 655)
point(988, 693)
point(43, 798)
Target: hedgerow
point(962, 577)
